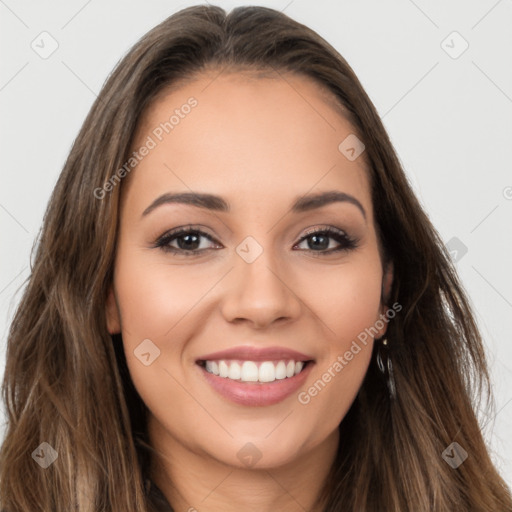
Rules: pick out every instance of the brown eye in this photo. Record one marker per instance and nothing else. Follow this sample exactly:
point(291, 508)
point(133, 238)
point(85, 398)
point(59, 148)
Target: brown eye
point(327, 240)
point(186, 241)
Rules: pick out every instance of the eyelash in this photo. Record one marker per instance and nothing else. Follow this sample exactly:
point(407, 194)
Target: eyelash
point(346, 243)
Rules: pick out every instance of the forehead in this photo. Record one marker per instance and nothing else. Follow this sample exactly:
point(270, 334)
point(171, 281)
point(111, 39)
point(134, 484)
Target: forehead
point(239, 135)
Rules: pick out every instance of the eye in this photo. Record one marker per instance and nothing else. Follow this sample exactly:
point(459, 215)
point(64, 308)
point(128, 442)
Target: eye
point(320, 240)
point(192, 241)
point(186, 241)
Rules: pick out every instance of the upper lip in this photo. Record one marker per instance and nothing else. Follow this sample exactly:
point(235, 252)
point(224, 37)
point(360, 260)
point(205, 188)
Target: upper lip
point(249, 353)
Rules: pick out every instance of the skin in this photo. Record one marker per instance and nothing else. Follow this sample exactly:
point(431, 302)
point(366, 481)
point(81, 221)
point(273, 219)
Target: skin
point(259, 143)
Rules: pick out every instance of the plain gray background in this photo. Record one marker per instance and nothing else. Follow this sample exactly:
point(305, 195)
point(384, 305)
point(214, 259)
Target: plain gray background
point(447, 109)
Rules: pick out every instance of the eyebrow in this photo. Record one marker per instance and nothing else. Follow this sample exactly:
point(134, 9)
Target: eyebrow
point(218, 204)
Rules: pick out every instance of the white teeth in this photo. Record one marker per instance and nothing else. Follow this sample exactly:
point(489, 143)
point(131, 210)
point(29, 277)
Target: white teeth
point(267, 372)
point(212, 367)
point(248, 371)
point(234, 371)
point(223, 369)
point(281, 370)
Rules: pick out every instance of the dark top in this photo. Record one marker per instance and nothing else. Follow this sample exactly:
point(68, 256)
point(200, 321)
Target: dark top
point(157, 497)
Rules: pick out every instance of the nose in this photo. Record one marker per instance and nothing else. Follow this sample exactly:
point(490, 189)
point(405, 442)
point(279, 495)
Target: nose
point(260, 294)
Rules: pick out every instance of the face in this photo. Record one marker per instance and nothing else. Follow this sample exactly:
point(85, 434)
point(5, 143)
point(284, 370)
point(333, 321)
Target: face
point(243, 315)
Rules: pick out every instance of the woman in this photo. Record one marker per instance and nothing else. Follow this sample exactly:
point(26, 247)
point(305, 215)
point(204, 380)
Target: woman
point(237, 303)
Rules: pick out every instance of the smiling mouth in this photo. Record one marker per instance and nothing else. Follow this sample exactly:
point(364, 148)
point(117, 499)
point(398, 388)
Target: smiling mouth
point(254, 371)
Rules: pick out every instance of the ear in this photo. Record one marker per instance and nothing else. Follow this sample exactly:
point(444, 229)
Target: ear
point(387, 282)
point(112, 313)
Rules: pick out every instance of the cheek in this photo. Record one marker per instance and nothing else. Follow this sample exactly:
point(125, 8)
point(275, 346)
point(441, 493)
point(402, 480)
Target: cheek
point(153, 298)
point(348, 303)
point(151, 307)
point(347, 300)
point(159, 303)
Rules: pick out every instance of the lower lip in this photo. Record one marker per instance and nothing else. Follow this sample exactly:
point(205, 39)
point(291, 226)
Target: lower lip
point(256, 394)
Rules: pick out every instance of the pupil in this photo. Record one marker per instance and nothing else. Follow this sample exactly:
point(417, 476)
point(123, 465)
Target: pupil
point(188, 242)
point(323, 244)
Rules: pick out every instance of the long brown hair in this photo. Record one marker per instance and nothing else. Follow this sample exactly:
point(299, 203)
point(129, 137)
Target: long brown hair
point(66, 382)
